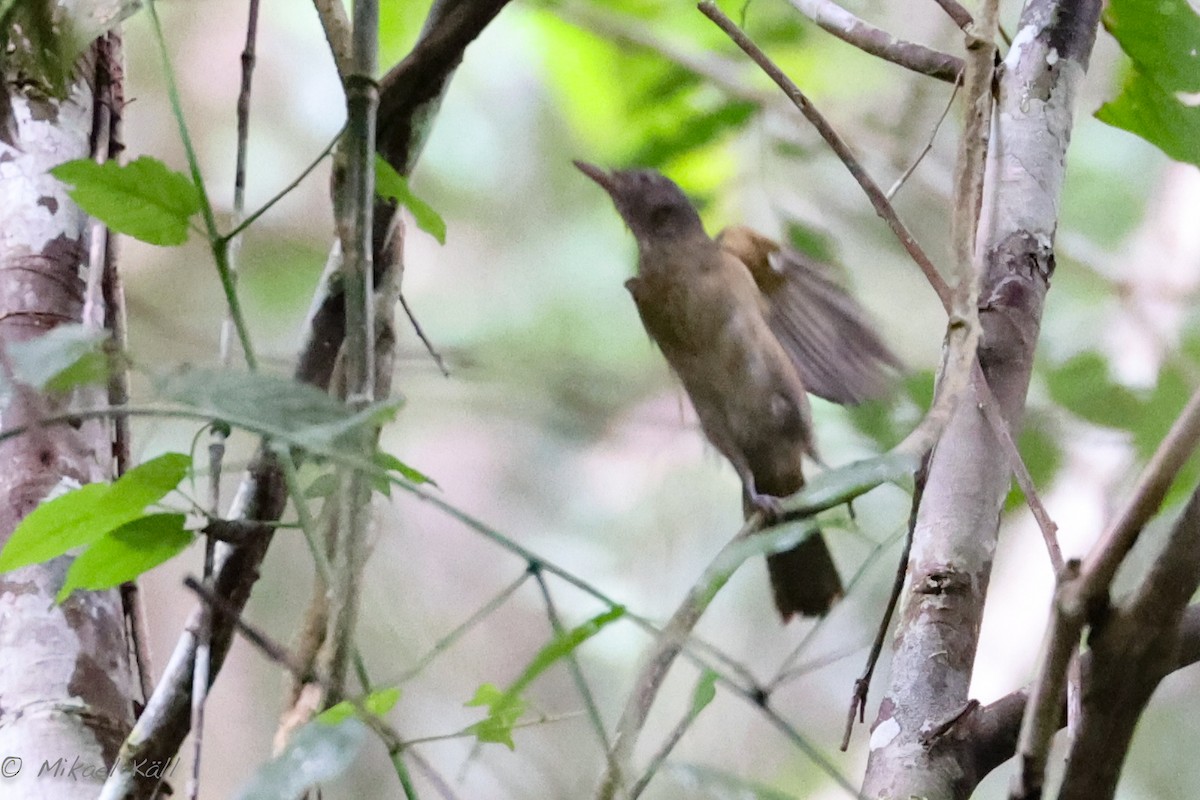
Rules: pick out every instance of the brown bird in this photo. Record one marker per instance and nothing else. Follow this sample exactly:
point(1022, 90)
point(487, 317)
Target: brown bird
point(749, 326)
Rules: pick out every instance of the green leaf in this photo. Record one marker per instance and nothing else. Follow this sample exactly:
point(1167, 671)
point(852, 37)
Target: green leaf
point(60, 359)
point(148, 483)
point(391, 184)
point(1083, 387)
point(1144, 108)
point(324, 485)
point(845, 483)
point(55, 527)
point(504, 711)
point(122, 555)
point(317, 753)
point(144, 198)
point(705, 691)
point(1161, 38)
point(86, 514)
point(379, 703)
point(390, 463)
point(506, 707)
point(564, 644)
point(680, 139)
point(296, 413)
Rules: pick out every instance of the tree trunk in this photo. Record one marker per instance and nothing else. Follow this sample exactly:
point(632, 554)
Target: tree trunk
point(66, 685)
point(957, 523)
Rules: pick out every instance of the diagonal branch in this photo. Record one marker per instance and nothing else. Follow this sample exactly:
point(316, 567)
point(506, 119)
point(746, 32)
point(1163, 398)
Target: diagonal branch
point(877, 42)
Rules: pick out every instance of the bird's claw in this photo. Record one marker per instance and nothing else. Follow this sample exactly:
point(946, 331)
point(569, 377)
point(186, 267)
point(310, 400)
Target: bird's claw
point(769, 506)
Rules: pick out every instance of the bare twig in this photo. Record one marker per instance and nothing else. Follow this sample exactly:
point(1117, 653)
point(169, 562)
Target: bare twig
point(858, 697)
point(991, 409)
point(573, 665)
point(878, 200)
point(262, 496)
point(992, 730)
point(878, 42)
point(354, 203)
point(260, 639)
point(433, 353)
point(962, 18)
point(904, 176)
point(666, 648)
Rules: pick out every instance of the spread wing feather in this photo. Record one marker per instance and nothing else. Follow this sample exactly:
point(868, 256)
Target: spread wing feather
point(827, 334)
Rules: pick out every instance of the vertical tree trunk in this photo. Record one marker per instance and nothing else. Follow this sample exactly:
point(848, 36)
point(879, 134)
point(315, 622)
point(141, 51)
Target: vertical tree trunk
point(955, 534)
point(65, 678)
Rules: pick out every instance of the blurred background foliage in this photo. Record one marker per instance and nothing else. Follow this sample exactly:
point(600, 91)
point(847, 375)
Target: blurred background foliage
point(560, 424)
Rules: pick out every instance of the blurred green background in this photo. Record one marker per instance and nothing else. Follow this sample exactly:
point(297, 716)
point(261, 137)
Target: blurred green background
point(560, 424)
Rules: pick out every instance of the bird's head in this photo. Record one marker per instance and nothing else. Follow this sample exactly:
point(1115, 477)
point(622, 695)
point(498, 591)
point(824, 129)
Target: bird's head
point(651, 204)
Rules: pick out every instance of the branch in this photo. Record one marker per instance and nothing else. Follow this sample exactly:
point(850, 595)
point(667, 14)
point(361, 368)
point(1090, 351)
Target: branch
point(263, 495)
point(1082, 596)
point(962, 18)
point(991, 732)
point(411, 92)
point(957, 525)
point(750, 540)
point(866, 37)
point(617, 777)
point(1132, 651)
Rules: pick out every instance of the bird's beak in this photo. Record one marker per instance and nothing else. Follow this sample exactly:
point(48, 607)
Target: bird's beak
point(606, 180)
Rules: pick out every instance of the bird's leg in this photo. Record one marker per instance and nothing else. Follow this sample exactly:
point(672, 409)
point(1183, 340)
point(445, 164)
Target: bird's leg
point(765, 504)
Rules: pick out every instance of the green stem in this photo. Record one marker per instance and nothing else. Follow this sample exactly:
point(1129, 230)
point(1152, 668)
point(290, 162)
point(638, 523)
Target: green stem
point(218, 245)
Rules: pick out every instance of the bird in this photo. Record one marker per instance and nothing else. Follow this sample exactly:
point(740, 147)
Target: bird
point(750, 327)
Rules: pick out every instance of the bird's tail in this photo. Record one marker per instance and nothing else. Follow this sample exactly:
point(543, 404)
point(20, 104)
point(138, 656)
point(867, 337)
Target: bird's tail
point(804, 580)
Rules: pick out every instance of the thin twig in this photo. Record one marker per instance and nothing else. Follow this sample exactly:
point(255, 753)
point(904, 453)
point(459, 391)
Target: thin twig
point(286, 190)
point(336, 26)
point(354, 200)
point(660, 756)
point(269, 647)
point(666, 648)
point(1100, 565)
point(878, 201)
point(904, 176)
point(991, 410)
point(573, 665)
point(433, 352)
point(858, 696)
point(103, 266)
point(446, 642)
point(431, 775)
point(217, 245)
point(877, 42)
point(789, 669)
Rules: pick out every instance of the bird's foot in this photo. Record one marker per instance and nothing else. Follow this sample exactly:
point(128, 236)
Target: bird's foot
point(769, 506)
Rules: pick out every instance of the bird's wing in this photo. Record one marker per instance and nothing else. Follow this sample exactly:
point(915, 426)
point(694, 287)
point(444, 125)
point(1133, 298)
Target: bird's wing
point(827, 334)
